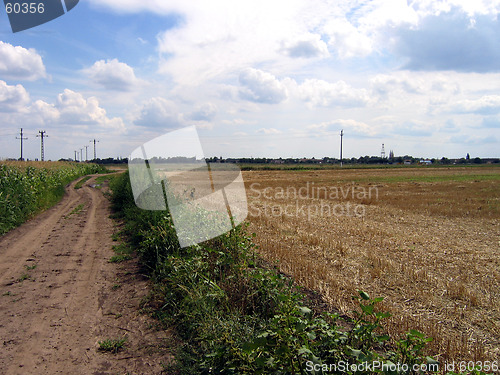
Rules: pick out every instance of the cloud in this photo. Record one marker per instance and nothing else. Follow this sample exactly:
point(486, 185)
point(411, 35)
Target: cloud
point(413, 128)
point(158, 113)
point(74, 109)
point(44, 113)
point(451, 40)
point(204, 112)
point(13, 98)
point(268, 131)
point(349, 126)
point(319, 93)
point(306, 47)
point(261, 87)
point(20, 63)
point(486, 105)
point(491, 123)
point(347, 40)
point(113, 75)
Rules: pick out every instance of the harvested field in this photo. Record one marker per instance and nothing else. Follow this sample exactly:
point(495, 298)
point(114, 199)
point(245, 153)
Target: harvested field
point(426, 239)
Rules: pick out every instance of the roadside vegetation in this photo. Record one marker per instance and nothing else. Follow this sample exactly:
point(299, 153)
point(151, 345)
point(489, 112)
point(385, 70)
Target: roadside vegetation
point(236, 314)
point(27, 188)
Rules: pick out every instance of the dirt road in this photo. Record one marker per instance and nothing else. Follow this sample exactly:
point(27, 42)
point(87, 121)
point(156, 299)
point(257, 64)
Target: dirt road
point(60, 295)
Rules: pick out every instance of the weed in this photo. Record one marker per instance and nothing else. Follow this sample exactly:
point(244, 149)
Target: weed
point(23, 277)
point(75, 211)
point(112, 345)
point(116, 286)
point(80, 183)
point(119, 258)
point(30, 267)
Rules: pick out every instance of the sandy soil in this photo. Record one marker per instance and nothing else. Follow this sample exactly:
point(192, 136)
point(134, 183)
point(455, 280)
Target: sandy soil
point(60, 296)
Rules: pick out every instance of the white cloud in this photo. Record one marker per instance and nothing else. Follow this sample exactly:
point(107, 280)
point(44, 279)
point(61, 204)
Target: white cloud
point(349, 126)
point(13, 98)
point(19, 63)
point(261, 87)
point(486, 105)
point(45, 113)
point(268, 131)
point(113, 75)
point(74, 109)
point(158, 113)
point(204, 112)
point(307, 46)
point(320, 93)
point(450, 40)
point(347, 40)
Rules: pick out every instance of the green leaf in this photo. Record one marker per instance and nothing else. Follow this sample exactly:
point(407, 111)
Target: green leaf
point(305, 310)
point(367, 309)
point(364, 295)
point(414, 332)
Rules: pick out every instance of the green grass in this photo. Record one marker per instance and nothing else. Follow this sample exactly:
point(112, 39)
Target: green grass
point(123, 252)
point(112, 345)
point(23, 277)
point(75, 211)
point(80, 183)
point(119, 258)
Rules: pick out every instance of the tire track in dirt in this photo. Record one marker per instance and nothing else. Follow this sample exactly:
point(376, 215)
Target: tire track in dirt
point(51, 321)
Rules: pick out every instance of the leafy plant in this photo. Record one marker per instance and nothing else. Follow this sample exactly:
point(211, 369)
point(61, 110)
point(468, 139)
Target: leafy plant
point(112, 345)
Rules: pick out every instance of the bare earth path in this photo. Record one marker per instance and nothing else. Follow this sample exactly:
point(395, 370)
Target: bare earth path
point(59, 295)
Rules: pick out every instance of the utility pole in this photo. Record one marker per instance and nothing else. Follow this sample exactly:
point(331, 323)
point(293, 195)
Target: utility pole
point(86, 153)
point(42, 135)
point(94, 140)
point(341, 135)
point(21, 138)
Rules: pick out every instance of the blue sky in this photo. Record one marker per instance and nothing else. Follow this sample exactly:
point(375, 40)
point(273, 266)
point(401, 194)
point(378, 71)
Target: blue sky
point(257, 78)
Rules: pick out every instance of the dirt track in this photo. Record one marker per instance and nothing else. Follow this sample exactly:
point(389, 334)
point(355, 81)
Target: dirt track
point(59, 295)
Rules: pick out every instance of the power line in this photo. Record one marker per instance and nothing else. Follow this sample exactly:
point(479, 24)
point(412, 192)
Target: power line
point(21, 138)
point(94, 140)
point(42, 135)
point(341, 135)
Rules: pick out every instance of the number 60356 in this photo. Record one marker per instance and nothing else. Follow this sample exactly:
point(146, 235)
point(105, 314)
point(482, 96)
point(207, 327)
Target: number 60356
point(24, 8)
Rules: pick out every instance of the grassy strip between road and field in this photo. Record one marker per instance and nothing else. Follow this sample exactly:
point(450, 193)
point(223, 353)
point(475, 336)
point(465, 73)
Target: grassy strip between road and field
point(234, 315)
point(27, 188)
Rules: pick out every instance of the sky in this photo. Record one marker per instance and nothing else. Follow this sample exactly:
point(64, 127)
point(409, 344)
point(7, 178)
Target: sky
point(257, 78)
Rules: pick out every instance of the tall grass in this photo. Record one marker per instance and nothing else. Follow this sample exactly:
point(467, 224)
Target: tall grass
point(235, 315)
point(27, 188)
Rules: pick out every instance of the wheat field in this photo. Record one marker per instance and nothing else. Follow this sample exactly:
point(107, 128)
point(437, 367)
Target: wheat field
point(426, 239)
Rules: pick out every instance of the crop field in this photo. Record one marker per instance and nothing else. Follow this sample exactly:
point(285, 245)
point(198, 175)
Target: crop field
point(427, 239)
point(29, 187)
